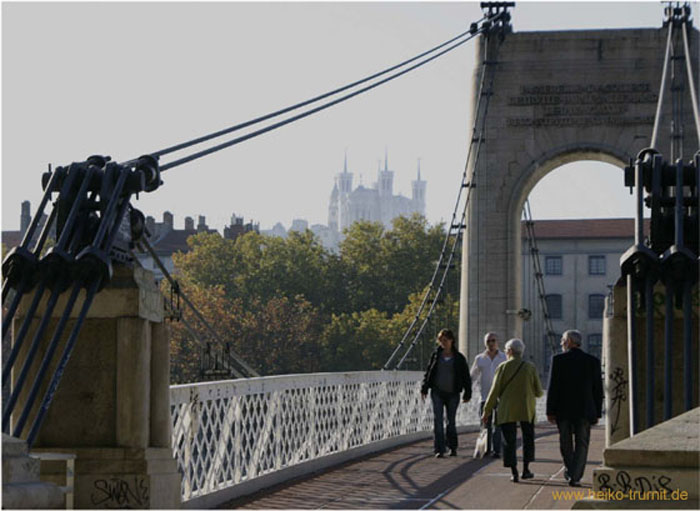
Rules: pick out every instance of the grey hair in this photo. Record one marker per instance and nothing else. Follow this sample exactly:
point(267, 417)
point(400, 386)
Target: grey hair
point(517, 346)
point(574, 336)
point(488, 334)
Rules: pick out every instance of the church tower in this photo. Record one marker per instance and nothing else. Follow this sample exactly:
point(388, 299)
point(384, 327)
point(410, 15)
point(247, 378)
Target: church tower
point(345, 179)
point(333, 209)
point(385, 179)
point(418, 193)
point(344, 184)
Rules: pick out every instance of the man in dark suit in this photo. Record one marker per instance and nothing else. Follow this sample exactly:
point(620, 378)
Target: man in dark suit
point(574, 402)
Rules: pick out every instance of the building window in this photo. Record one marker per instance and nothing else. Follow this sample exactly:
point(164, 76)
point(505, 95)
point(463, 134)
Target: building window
point(596, 306)
point(554, 306)
point(595, 344)
point(596, 265)
point(552, 265)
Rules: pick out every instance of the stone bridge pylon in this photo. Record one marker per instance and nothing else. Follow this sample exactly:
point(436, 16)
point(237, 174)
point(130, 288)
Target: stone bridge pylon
point(556, 98)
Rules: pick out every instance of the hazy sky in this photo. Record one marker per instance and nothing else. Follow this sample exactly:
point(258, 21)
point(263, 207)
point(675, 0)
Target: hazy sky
point(125, 79)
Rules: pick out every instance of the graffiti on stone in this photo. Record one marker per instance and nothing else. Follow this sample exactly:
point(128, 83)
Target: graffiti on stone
point(618, 395)
point(117, 493)
point(624, 482)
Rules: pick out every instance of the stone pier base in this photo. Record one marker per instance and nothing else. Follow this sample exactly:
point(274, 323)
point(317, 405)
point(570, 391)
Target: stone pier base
point(112, 407)
point(121, 478)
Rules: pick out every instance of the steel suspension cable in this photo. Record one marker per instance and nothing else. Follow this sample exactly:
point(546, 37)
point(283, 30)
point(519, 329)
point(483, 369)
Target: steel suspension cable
point(662, 89)
point(691, 82)
point(479, 118)
point(538, 276)
point(314, 110)
point(285, 110)
point(449, 233)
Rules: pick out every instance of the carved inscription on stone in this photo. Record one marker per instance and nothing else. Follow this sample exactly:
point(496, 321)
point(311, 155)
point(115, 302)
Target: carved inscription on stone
point(582, 105)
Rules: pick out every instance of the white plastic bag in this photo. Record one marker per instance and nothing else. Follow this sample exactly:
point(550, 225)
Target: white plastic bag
point(481, 443)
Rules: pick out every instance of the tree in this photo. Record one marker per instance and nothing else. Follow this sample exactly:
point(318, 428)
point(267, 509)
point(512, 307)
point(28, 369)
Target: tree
point(386, 266)
point(361, 253)
point(360, 341)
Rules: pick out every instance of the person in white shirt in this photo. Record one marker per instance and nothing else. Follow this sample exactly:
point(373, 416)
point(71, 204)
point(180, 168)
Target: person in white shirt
point(484, 366)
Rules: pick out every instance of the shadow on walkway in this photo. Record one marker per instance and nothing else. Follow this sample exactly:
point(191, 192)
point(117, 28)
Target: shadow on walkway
point(409, 477)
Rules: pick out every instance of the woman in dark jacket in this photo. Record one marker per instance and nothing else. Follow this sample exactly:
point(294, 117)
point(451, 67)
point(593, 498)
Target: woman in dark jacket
point(447, 375)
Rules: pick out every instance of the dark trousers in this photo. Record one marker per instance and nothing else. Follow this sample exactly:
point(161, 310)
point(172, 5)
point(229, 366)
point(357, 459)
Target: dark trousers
point(493, 431)
point(509, 438)
point(442, 400)
point(574, 435)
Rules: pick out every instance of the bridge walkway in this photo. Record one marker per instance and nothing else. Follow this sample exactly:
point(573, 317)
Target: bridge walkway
point(409, 477)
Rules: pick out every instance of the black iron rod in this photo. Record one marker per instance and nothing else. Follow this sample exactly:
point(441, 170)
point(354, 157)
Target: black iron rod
point(67, 230)
point(19, 338)
point(40, 210)
point(314, 110)
point(58, 373)
point(691, 83)
point(106, 219)
point(651, 363)
point(45, 231)
point(29, 360)
point(639, 188)
point(265, 117)
point(662, 88)
point(19, 292)
point(48, 357)
point(679, 205)
point(37, 251)
point(117, 224)
point(687, 346)
point(632, 354)
point(668, 354)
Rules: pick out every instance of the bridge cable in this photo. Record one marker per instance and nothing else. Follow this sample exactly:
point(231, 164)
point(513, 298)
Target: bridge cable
point(271, 115)
point(450, 233)
point(662, 89)
point(476, 140)
point(247, 371)
point(314, 110)
point(691, 82)
point(460, 226)
point(538, 276)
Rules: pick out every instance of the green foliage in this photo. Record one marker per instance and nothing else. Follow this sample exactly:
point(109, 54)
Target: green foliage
point(384, 267)
point(289, 305)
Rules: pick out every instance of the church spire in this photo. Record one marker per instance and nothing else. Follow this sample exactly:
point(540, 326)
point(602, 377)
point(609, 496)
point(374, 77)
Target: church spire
point(386, 158)
point(345, 163)
point(418, 169)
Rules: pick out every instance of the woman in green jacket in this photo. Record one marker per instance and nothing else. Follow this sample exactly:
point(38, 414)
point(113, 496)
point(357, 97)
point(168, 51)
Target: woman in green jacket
point(515, 387)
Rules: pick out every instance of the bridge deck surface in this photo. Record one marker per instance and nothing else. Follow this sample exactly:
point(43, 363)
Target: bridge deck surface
point(409, 477)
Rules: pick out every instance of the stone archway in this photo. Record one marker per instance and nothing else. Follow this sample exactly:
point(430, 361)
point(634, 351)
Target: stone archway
point(557, 97)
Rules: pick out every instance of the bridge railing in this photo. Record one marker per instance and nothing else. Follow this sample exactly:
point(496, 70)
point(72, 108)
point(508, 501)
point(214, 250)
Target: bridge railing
point(229, 432)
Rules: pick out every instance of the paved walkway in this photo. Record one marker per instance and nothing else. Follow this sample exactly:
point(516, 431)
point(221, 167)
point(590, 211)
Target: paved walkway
point(410, 478)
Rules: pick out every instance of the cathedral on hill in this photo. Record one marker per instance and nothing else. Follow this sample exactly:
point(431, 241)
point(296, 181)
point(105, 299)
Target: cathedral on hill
point(375, 204)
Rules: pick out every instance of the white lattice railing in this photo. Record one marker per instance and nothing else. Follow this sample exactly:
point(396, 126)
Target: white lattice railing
point(228, 432)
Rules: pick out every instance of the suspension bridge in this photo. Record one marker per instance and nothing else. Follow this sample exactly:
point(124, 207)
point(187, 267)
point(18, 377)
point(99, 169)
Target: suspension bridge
point(88, 374)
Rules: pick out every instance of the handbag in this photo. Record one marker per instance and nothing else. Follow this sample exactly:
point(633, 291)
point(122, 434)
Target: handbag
point(481, 443)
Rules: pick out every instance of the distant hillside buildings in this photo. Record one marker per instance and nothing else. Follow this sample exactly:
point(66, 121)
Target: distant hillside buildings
point(375, 204)
point(166, 240)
